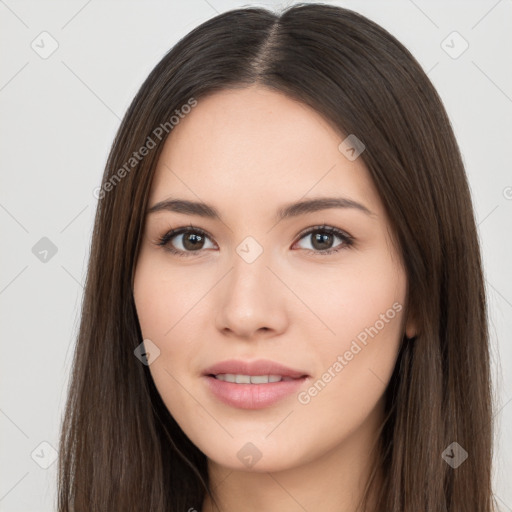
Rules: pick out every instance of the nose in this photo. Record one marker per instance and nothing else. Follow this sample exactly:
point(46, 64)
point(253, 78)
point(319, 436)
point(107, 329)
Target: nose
point(251, 301)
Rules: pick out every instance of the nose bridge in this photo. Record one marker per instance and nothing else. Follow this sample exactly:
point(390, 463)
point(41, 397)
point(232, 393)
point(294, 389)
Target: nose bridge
point(250, 250)
point(250, 273)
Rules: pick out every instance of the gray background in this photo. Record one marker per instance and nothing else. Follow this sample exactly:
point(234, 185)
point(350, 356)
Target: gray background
point(59, 115)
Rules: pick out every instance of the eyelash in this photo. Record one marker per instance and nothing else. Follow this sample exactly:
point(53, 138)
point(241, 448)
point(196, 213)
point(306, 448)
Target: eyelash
point(346, 239)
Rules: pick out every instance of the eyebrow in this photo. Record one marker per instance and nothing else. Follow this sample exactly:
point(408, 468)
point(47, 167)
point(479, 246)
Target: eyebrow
point(287, 211)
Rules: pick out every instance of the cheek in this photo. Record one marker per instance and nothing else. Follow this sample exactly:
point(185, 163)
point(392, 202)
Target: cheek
point(361, 292)
point(364, 310)
point(163, 299)
point(169, 307)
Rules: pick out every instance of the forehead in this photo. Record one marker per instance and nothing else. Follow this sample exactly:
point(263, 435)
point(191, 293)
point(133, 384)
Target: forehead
point(238, 145)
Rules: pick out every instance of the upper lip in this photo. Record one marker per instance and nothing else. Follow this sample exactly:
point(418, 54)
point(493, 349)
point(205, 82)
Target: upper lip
point(258, 367)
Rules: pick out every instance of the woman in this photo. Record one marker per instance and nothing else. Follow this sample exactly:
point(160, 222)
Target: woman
point(285, 305)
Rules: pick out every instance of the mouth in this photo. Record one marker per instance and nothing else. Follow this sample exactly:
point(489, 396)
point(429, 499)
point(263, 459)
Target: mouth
point(255, 372)
point(253, 384)
point(265, 391)
point(253, 379)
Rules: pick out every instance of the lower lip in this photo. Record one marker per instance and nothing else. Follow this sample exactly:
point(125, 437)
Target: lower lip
point(252, 396)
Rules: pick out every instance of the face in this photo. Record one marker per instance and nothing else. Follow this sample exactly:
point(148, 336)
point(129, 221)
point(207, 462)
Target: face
point(320, 291)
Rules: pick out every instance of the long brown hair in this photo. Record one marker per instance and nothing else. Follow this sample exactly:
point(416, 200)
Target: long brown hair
point(120, 449)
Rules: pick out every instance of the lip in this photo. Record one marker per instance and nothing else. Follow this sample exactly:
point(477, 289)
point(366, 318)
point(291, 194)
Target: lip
point(253, 396)
point(258, 367)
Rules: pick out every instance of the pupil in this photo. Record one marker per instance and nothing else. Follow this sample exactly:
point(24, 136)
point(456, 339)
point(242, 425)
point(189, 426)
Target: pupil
point(322, 239)
point(192, 241)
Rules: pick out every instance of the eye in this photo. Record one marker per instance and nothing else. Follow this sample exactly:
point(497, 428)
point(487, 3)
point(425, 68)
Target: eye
point(193, 240)
point(323, 239)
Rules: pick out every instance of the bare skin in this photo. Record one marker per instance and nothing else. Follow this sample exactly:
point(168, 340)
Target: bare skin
point(248, 152)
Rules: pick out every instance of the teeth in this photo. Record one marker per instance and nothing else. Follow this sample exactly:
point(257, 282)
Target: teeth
point(250, 379)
